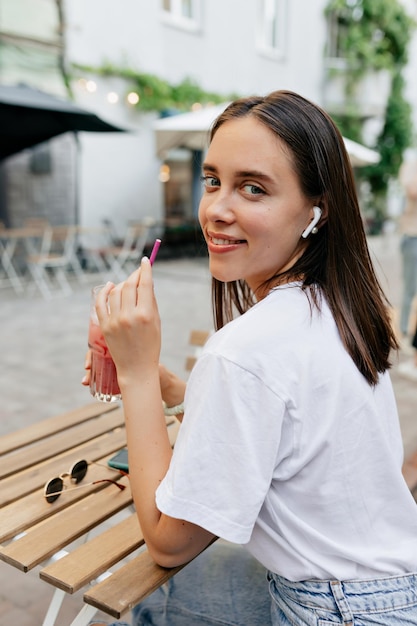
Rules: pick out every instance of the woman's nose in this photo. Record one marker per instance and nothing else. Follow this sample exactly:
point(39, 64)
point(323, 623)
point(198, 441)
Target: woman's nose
point(218, 207)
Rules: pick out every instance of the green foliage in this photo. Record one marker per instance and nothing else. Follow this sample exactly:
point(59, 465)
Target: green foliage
point(395, 137)
point(349, 125)
point(155, 93)
point(374, 35)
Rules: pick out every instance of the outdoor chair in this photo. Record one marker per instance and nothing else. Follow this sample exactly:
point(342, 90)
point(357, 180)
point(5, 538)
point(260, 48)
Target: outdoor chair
point(57, 256)
point(124, 258)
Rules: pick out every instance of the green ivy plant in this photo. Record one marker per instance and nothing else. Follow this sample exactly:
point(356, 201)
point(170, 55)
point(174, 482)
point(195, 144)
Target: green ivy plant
point(157, 94)
point(374, 35)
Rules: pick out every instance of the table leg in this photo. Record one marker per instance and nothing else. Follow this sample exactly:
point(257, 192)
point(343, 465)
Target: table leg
point(54, 607)
point(84, 616)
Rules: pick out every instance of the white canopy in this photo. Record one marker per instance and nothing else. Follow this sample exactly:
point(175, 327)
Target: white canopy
point(191, 130)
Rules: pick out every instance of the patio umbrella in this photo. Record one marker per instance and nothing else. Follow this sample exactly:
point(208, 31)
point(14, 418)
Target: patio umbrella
point(191, 130)
point(29, 116)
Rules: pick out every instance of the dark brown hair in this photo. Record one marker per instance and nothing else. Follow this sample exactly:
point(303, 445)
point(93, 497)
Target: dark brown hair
point(336, 261)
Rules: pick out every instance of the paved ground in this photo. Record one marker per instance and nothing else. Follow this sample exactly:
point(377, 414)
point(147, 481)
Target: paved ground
point(42, 346)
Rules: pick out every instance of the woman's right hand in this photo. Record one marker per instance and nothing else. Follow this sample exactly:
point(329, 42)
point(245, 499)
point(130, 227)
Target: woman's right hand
point(87, 366)
point(172, 387)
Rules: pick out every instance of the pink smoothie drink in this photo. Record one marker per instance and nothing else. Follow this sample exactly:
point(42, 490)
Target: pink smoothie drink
point(103, 376)
point(103, 382)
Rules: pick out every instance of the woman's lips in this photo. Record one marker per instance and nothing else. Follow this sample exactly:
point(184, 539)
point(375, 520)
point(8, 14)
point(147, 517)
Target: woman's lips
point(222, 244)
point(225, 242)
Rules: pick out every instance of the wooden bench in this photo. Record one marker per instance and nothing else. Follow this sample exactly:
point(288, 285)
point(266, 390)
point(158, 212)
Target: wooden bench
point(33, 531)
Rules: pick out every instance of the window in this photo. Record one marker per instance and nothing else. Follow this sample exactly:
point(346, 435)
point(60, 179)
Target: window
point(272, 26)
point(336, 32)
point(182, 13)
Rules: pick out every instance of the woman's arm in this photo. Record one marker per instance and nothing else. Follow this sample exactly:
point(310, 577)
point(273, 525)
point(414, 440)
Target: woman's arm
point(132, 331)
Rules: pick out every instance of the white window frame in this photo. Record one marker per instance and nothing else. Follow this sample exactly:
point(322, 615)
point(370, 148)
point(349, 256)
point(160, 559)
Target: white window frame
point(333, 58)
point(175, 17)
point(276, 9)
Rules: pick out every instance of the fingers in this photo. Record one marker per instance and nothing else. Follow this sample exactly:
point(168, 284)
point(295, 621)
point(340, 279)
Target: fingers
point(145, 288)
point(136, 292)
point(102, 308)
point(87, 366)
point(87, 362)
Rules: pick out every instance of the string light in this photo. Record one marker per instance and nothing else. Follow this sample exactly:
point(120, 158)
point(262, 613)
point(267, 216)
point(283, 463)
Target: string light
point(88, 85)
point(164, 173)
point(133, 97)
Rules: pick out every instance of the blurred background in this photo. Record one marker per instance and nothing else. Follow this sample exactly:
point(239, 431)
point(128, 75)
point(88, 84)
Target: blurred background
point(105, 107)
point(138, 65)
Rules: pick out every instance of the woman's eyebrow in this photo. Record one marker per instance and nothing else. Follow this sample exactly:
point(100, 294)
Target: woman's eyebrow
point(254, 174)
point(207, 167)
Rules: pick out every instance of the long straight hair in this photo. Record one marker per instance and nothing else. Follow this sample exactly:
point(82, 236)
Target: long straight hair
point(336, 261)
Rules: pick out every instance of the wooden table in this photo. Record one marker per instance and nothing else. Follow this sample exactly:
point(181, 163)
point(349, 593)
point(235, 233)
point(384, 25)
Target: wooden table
point(33, 532)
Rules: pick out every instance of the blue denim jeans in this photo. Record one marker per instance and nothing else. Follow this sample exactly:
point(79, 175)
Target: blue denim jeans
point(226, 586)
point(384, 601)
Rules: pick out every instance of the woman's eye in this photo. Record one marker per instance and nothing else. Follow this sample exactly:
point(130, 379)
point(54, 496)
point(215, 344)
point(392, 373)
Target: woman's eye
point(253, 190)
point(210, 181)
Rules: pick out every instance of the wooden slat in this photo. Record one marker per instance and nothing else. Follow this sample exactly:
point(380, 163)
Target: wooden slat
point(190, 362)
point(51, 535)
point(22, 483)
point(129, 585)
point(51, 446)
point(87, 562)
point(45, 428)
point(199, 337)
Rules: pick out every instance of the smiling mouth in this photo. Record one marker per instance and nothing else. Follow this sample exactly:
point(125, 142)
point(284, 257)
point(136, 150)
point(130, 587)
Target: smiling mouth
point(226, 242)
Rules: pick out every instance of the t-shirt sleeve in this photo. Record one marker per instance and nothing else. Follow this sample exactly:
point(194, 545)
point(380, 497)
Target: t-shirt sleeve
point(226, 450)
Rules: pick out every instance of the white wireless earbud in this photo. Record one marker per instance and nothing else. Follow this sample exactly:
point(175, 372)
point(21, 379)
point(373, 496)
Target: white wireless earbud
point(313, 223)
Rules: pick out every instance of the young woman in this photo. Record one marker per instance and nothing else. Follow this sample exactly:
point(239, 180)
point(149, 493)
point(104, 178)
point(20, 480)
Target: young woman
point(290, 442)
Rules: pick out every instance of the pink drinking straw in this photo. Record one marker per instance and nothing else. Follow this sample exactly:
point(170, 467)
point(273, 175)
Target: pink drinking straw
point(154, 251)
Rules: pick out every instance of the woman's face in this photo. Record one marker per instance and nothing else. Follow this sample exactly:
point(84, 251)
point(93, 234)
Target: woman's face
point(252, 211)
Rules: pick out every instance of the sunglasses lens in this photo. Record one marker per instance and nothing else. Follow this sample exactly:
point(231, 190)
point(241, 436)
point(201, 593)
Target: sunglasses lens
point(78, 471)
point(53, 489)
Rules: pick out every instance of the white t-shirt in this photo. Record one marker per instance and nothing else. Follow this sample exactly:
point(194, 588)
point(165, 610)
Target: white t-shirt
point(286, 448)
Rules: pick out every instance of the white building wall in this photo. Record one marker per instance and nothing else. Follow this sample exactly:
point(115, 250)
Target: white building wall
point(119, 173)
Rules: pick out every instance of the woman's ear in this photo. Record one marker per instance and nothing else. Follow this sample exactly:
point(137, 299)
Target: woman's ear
point(312, 227)
point(324, 211)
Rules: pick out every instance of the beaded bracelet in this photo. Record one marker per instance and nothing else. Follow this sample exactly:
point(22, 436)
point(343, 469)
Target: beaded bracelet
point(174, 410)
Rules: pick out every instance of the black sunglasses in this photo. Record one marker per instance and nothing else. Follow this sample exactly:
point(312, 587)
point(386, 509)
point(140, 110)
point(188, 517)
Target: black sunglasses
point(55, 486)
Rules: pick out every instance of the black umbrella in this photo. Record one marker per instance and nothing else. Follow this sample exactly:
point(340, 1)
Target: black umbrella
point(29, 116)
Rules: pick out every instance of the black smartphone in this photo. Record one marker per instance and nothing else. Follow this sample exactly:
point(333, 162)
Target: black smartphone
point(119, 460)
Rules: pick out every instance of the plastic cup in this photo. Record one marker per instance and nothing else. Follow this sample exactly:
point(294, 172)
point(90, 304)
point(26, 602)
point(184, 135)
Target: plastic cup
point(103, 376)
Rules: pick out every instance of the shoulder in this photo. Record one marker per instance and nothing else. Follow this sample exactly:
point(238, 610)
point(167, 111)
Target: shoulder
point(282, 318)
point(277, 341)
